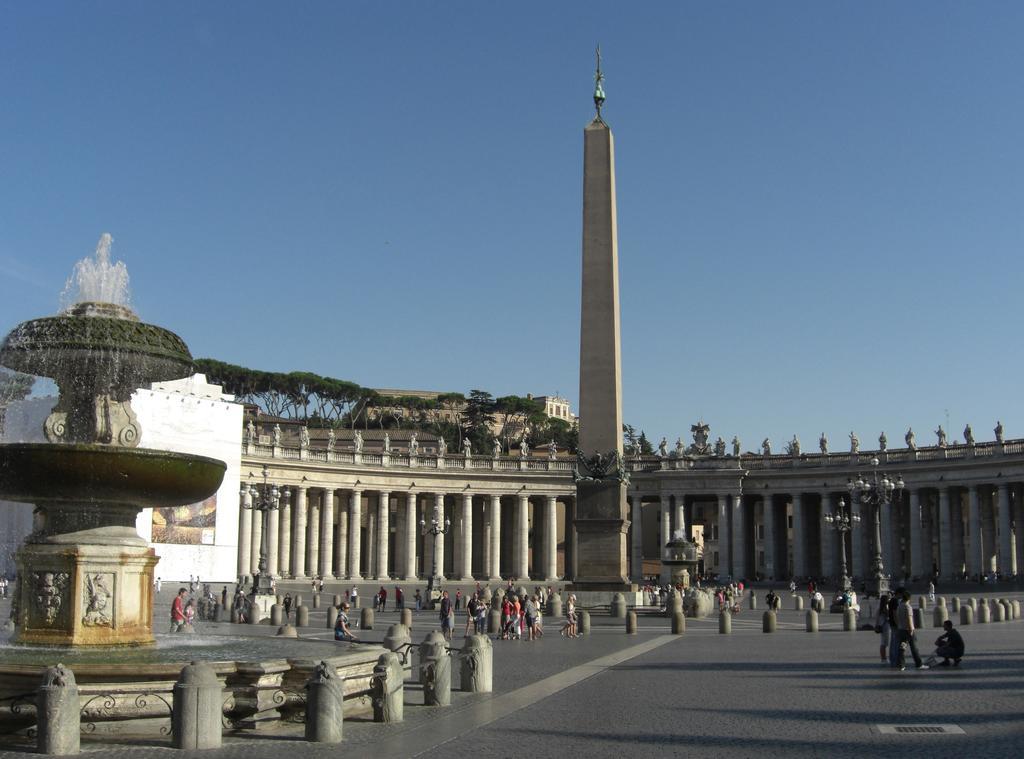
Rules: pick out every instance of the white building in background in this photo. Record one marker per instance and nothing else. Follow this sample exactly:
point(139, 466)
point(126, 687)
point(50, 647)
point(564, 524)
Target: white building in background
point(186, 416)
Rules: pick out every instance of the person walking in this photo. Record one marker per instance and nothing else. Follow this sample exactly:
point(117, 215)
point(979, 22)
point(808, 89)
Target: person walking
point(287, 607)
point(382, 598)
point(399, 598)
point(905, 623)
point(178, 619)
point(447, 615)
point(882, 627)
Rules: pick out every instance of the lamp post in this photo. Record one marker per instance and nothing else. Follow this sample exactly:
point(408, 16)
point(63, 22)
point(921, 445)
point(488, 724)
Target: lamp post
point(843, 520)
point(264, 500)
point(435, 529)
point(877, 493)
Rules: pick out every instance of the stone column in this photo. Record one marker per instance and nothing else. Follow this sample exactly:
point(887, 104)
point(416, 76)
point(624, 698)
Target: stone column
point(410, 536)
point(341, 555)
point(383, 534)
point(1006, 565)
point(724, 543)
point(989, 539)
point(254, 549)
point(495, 520)
point(522, 571)
point(371, 539)
point(244, 532)
point(551, 539)
point(917, 565)
point(313, 541)
point(888, 516)
point(438, 558)
point(975, 560)
point(829, 552)
point(799, 549)
point(299, 535)
point(327, 534)
point(485, 542)
point(680, 520)
point(284, 541)
point(636, 546)
point(945, 535)
point(466, 551)
point(770, 570)
point(355, 521)
point(273, 522)
point(858, 567)
point(740, 569)
point(666, 524)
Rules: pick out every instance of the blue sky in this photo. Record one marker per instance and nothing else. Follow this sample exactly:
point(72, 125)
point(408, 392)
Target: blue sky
point(819, 204)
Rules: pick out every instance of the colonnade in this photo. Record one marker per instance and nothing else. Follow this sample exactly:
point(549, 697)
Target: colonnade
point(361, 534)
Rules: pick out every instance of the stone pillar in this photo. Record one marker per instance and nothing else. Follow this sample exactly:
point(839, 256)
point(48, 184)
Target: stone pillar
point(244, 532)
point(829, 551)
point(495, 520)
point(917, 558)
point(273, 523)
point(341, 555)
point(799, 549)
point(485, 542)
point(254, 545)
point(58, 720)
point(666, 524)
point(313, 541)
point(770, 570)
point(1006, 564)
point(724, 565)
point(466, 549)
point(680, 516)
point(410, 536)
point(740, 569)
point(975, 560)
point(372, 512)
point(383, 534)
point(355, 521)
point(438, 559)
point(945, 535)
point(284, 541)
point(327, 534)
point(636, 543)
point(197, 708)
point(551, 539)
point(888, 516)
point(858, 566)
point(299, 542)
point(522, 532)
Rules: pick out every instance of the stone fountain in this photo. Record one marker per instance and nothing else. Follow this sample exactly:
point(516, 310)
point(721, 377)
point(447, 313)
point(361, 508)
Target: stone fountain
point(86, 576)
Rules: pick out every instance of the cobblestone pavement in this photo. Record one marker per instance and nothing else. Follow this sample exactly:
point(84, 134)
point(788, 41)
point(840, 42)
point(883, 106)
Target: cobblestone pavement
point(701, 693)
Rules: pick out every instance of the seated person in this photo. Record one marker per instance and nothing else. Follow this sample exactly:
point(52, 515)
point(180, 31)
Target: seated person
point(949, 645)
point(341, 629)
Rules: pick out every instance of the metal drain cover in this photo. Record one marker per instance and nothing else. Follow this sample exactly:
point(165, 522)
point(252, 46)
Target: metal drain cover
point(921, 729)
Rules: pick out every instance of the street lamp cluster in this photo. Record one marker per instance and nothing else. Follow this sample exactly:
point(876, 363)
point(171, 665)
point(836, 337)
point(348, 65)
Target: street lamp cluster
point(264, 500)
point(437, 529)
point(875, 493)
point(843, 520)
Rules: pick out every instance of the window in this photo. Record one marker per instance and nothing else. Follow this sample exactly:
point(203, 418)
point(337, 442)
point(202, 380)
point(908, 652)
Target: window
point(789, 521)
point(760, 558)
point(760, 532)
point(714, 535)
point(716, 558)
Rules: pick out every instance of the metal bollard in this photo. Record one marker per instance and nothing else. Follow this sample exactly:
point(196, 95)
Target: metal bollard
point(477, 664)
point(276, 615)
point(302, 616)
point(724, 622)
point(583, 617)
point(849, 620)
point(939, 616)
point(811, 622)
point(631, 622)
point(386, 689)
point(966, 615)
point(325, 699)
point(196, 712)
point(435, 670)
point(769, 622)
point(618, 606)
point(57, 717)
point(366, 619)
point(798, 603)
point(678, 623)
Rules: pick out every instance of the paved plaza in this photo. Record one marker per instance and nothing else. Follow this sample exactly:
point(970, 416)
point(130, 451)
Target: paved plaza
point(701, 693)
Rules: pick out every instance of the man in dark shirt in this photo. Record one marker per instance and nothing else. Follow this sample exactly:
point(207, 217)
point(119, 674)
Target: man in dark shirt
point(949, 645)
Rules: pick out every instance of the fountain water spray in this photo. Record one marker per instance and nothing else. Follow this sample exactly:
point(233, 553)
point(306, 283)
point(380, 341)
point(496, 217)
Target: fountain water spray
point(96, 280)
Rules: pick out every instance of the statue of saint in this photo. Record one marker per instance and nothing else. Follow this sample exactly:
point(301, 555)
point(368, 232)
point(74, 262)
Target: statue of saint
point(524, 448)
point(823, 443)
point(304, 437)
point(766, 447)
point(387, 443)
point(854, 442)
point(679, 447)
point(883, 441)
point(497, 447)
point(250, 432)
point(735, 446)
point(968, 435)
point(358, 440)
point(663, 448)
point(941, 435)
point(552, 450)
point(999, 431)
point(467, 447)
point(277, 434)
point(331, 439)
point(909, 438)
point(794, 446)
point(442, 447)
point(719, 447)
point(414, 445)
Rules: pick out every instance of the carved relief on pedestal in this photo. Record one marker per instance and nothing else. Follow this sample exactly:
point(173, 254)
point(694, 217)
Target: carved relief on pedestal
point(98, 599)
point(49, 597)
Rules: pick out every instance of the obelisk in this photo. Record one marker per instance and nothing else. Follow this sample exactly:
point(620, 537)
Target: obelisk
point(601, 511)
